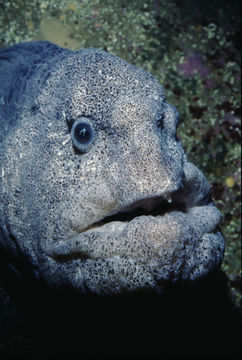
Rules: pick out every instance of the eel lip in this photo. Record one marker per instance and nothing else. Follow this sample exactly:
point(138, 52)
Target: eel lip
point(150, 206)
point(190, 206)
point(91, 242)
point(156, 206)
point(66, 241)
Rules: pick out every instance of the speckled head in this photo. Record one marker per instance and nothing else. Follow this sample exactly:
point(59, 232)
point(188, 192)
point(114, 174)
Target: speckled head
point(96, 190)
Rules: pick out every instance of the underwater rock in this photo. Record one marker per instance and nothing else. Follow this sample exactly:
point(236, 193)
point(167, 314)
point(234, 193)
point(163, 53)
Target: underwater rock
point(96, 192)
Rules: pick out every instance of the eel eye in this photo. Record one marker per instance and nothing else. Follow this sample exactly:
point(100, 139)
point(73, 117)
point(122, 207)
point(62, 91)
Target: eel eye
point(82, 134)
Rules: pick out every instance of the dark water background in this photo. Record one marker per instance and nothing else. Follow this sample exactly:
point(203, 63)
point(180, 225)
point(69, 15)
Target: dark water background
point(198, 322)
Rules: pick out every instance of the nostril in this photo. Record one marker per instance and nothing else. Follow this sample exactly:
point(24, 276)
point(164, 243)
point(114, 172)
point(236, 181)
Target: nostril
point(160, 122)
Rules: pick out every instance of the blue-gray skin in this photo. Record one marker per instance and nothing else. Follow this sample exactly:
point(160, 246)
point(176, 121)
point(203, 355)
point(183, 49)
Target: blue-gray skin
point(96, 191)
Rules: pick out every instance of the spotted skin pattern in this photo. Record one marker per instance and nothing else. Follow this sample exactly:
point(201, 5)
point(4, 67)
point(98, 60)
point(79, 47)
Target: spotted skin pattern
point(96, 192)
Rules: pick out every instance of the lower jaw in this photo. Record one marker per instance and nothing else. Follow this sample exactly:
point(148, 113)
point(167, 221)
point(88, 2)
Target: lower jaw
point(121, 274)
point(111, 236)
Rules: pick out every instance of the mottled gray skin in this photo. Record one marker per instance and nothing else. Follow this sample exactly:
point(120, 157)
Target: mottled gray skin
point(55, 200)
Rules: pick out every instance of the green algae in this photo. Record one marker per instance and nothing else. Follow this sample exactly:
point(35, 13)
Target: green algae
point(194, 53)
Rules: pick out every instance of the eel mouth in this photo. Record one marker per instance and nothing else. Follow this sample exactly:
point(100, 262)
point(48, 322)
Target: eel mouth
point(72, 242)
point(156, 206)
point(110, 232)
point(187, 210)
point(169, 237)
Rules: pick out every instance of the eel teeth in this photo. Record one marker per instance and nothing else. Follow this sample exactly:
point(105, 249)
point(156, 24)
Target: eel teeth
point(168, 198)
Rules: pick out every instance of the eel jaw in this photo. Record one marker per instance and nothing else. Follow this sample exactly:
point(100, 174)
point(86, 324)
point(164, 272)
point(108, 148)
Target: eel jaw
point(143, 246)
point(149, 206)
point(154, 206)
point(81, 244)
point(152, 221)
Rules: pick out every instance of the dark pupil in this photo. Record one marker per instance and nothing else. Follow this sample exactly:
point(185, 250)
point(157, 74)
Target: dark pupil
point(83, 133)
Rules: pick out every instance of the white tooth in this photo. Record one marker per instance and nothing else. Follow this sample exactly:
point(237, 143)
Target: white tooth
point(169, 199)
